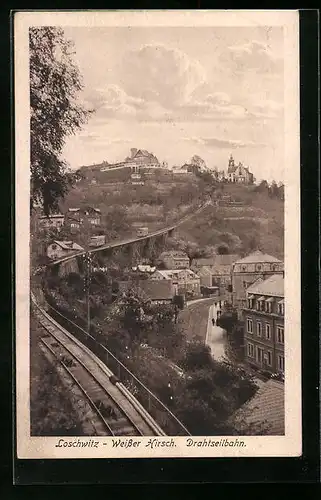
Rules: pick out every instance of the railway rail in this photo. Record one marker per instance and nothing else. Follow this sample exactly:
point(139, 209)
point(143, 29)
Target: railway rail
point(116, 411)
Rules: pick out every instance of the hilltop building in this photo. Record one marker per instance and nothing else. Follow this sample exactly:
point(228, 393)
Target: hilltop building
point(185, 169)
point(140, 158)
point(264, 324)
point(238, 173)
point(246, 271)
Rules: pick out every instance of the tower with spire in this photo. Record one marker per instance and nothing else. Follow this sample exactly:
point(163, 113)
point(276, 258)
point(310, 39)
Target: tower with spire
point(231, 162)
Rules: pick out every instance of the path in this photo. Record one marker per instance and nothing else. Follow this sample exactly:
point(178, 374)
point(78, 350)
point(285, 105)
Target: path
point(215, 335)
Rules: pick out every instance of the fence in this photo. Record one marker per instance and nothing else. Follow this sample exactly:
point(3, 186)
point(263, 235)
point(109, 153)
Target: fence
point(161, 413)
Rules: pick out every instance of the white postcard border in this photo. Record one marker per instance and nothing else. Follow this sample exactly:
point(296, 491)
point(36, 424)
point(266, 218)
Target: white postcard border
point(255, 446)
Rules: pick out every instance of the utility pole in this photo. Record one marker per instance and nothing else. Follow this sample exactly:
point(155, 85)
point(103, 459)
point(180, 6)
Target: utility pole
point(87, 260)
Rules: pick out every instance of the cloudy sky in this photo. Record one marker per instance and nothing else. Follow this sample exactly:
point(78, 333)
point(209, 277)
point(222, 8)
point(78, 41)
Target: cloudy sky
point(182, 91)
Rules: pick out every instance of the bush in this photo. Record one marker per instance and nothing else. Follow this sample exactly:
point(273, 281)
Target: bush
point(227, 320)
point(197, 356)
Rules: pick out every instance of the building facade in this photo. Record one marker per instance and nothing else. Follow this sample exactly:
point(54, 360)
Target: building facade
point(184, 281)
point(264, 324)
point(246, 271)
point(174, 260)
point(140, 158)
point(55, 221)
point(218, 267)
point(238, 173)
point(78, 215)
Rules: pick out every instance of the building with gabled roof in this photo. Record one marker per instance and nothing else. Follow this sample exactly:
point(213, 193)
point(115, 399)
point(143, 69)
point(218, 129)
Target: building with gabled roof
point(220, 267)
point(58, 249)
point(142, 158)
point(78, 214)
point(159, 292)
point(174, 259)
point(51, 221)
point(185, 281)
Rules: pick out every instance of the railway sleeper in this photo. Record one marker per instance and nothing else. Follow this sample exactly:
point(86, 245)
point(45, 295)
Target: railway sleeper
point(106, 410)
point(119, 424)
point(129, 430)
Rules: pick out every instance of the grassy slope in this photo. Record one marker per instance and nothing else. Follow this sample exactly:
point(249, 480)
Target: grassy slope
point(163, 196)
point(257, 225)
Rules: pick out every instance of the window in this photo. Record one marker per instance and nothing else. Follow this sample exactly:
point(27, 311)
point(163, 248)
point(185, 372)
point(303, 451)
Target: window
point(250, 303)
point(268, 306)
point(269, 358)
point(280, 334)
point(259, 354)
point(53, 246)
point(259, 329)
point(249, 324)
point(281, 308)
point(250, 350)
point(281, 363)
point(244, 284)
point(262, 305)
point(267, 331)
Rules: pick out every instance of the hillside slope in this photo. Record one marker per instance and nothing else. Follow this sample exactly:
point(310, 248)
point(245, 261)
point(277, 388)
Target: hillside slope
point(257, 223)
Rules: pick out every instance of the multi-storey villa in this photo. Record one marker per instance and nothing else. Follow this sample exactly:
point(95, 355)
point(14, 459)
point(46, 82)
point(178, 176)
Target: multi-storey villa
point(264, 324)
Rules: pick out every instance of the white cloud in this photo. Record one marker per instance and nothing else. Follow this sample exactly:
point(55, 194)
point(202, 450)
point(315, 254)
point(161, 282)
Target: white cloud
point(253, 55)
point(160, 74)
point(215, 142)
point(267, 109)
point(158, 83)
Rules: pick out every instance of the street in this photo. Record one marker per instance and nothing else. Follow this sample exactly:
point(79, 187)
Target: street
point(215, 336)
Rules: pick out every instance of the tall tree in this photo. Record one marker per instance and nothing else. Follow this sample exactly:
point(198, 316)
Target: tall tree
point(55, 83)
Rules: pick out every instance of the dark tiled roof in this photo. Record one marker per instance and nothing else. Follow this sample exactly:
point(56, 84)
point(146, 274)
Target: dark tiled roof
point(68, 245)
point(157, 290)
point(267, 406)
point(153, 290)
point(216, 261)
point(257, 256)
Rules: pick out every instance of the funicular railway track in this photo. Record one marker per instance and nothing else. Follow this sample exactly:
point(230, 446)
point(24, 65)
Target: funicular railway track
point(115, 411)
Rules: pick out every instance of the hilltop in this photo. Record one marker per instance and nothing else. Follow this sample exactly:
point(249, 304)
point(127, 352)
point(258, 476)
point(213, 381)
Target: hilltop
point(255, 220)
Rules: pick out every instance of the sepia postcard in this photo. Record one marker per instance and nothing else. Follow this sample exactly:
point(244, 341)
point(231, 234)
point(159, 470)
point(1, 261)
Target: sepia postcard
point(157, 161)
